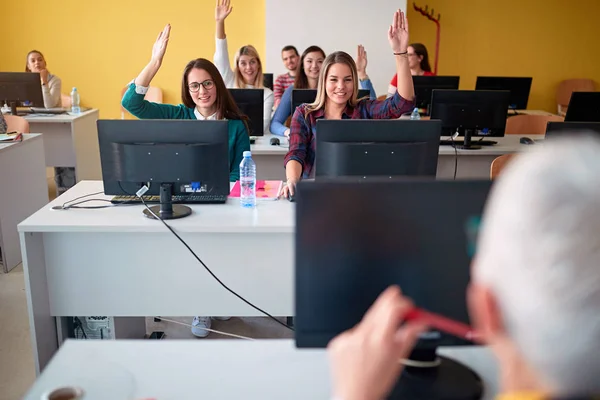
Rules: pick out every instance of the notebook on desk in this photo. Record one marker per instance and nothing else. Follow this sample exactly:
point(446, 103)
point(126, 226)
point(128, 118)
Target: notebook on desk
point(265, 190)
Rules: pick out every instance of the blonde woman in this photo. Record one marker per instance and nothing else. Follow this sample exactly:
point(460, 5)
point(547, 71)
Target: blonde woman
point(337, 99)
point(247, 72)
point(51, 84)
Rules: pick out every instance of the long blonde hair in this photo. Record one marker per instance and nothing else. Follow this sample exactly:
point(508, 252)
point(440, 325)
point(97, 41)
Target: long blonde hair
point(338, 57)
point(250, 51)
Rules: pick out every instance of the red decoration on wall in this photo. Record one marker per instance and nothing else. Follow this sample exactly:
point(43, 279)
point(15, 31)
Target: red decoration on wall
point(430, 16)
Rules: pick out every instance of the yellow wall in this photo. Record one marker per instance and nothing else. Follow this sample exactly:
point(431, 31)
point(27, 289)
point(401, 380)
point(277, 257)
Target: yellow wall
point(99, 46)
point(551, 40)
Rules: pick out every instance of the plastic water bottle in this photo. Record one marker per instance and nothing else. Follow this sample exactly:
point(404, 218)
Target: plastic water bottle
point(75, 109)
point(248, 181)
point(415, 114)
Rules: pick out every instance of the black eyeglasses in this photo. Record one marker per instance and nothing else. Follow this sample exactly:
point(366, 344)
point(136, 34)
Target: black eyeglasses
point(195, 86)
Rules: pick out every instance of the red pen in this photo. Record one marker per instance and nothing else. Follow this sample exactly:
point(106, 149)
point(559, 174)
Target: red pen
point(442, 323)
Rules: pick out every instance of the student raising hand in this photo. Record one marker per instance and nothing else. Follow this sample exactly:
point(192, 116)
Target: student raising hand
point(222, 10)
point(361, 62)
point(160, 46)
point(398, 33)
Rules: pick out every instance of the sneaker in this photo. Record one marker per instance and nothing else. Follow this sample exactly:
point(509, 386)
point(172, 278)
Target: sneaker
point(200, 326)
point(222, 318)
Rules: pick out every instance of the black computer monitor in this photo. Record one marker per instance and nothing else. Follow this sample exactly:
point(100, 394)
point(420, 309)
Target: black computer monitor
point(21, 89)
point(268, 80)
point(561, 129)
point(353, 240)
point(370, 148)
point(425, 84)
point(251, 102)
point(471, 113)
point(171, 156)
point(301, 96)
point(584, 107)
point(519, 88)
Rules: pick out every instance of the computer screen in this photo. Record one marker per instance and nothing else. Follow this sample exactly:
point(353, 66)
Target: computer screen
point(23, 88)
point(355, 239)
point(251, 103)
point(474, 112)
point(584, 107)
point(561, 129)
point(134, 153)
point(425, 84)
point(369, 148)
point(308, 96)
point(519, 88)
point(268, 80)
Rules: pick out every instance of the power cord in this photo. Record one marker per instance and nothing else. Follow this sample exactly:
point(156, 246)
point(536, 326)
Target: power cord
point(455, 152)
point(140, 195)
point(75, 204)
point(208, 329)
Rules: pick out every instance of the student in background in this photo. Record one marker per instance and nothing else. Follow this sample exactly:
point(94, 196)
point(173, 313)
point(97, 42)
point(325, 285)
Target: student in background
point(204, 97)
point(418, 60)
point(64, 177)
point(51, 84)
point(248, 72)
point(307, 78)
point(533, 300)
point(337, 99)
point(289, 55)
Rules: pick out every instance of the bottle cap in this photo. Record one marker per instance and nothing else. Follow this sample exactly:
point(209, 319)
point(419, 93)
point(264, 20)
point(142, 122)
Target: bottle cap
point(247, 154)
point(74, 89)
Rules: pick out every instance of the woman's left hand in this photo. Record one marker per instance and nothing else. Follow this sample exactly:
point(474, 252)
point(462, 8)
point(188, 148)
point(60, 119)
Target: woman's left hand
point(361, 60)
point(398, 33)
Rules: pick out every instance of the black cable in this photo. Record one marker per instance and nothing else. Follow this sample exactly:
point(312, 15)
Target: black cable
point(81, 197)
point(455, 157)
point(76, 205)
point(210, 272)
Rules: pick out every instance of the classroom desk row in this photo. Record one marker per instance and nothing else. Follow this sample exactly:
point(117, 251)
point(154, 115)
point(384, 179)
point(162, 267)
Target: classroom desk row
point(219, 369)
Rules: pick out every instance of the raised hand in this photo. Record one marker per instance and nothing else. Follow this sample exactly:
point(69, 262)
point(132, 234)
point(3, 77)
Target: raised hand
point(160, 46)
point(361, 61)
point(222, 10)
point(398, 33)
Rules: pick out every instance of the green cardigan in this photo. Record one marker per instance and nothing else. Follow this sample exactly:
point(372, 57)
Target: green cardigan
point(239, 141)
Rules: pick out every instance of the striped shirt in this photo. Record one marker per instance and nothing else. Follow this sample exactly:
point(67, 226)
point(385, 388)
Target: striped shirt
point(282, 82)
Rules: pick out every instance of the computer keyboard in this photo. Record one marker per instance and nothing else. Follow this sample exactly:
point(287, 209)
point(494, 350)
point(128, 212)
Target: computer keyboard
point(448, 142)
point(42, 110)
point(176, 199)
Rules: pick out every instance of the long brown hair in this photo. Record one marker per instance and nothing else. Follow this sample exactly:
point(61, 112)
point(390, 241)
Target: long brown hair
point(27, 59)
point(301, 81)
point(421, 50)
point(338, 57)
point(226, 106)
point(248, 50)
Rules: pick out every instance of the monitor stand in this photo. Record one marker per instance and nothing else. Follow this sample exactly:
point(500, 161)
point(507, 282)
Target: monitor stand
point(433, 377)
point(166, 209)
point(468, 145)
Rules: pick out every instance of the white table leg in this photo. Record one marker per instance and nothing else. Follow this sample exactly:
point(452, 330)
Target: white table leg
point(85, 143)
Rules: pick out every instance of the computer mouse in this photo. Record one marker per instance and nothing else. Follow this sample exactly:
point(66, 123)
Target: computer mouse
point(275, 141)
point(526, 140)
point(292, 197)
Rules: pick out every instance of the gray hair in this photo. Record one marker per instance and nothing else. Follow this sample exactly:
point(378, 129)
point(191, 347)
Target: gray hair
point(539, 252)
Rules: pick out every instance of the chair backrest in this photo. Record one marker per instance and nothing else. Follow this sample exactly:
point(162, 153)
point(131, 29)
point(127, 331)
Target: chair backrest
point(65, 100)
point(566, 87)
point(529, 124)
point(154, 94)
point(15, 123)
point(499, 163)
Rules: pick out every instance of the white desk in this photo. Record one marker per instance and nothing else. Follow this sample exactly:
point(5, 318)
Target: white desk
point(472, 164)
point(70, 141)
point(220, 369)
point(91, 262)
point(23, 190)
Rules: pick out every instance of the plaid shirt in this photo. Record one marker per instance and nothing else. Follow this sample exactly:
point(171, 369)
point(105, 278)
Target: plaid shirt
point(282, 82)
point(303, 129)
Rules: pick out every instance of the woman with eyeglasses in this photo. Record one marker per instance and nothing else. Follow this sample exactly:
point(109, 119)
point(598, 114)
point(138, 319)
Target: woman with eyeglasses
point(204, 97)
point(418, 61)
point(247, 72)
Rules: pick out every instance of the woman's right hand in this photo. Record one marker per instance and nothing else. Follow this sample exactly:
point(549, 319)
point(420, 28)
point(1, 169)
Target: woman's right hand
point(289, 188)
point(160, 46)
point(222, 10)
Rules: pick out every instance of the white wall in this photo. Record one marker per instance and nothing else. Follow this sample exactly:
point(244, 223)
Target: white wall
point(333, 25)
